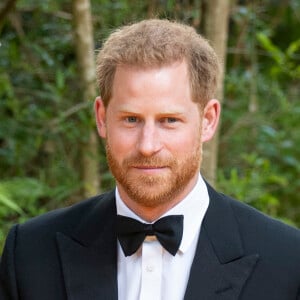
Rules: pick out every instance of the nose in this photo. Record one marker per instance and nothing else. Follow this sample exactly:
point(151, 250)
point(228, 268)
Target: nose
point(149, 141)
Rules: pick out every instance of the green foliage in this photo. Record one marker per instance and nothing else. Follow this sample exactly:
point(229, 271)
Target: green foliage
point(285, 61)
point(41, 123)
point(19, 198)
point(257, 185)
point(259, 150)
point(6, 200)
point(24, 191)
point(25, 197)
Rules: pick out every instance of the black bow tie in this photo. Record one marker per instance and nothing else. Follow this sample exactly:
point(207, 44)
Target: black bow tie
point(168, 230)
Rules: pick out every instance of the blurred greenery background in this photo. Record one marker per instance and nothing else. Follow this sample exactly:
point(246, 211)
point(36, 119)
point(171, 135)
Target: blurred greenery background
point(44, 121)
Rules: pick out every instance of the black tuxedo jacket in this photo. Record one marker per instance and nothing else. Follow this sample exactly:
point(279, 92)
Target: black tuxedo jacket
point(71, 254)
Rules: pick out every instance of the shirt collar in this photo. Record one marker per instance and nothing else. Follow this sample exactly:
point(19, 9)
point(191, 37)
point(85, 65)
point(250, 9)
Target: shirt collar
point(193, 207)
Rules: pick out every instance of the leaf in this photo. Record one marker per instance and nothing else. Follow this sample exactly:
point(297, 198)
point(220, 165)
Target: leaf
point(293, 47)
point(60, 79)
point(273, 50)
point(5, 200)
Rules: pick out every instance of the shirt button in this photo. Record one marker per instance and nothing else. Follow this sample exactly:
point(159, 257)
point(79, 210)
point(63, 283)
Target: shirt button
point(149, 268)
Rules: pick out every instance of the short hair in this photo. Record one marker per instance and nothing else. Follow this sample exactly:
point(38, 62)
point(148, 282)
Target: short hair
point(155, 43)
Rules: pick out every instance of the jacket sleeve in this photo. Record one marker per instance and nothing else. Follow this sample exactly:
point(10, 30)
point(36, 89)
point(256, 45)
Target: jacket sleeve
point(8, 280)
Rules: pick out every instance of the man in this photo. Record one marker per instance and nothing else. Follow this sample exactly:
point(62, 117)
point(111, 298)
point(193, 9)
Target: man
point(157, 80)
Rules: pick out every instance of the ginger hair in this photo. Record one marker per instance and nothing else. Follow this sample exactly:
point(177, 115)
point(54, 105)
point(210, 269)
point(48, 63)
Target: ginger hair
point(154, 43)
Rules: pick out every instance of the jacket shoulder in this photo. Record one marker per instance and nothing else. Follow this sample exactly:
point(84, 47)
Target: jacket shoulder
point(265, 233)
point(38, 235)
point(63, 219)
point(31, 253)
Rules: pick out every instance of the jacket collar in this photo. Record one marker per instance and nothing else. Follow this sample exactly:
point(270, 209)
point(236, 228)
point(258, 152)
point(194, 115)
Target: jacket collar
point(89, 255)
point(220, 267)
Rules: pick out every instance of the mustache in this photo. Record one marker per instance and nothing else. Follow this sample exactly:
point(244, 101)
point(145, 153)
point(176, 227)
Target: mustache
point(152, 161)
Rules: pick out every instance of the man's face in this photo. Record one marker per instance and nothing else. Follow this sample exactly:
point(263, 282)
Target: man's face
point(153, 135)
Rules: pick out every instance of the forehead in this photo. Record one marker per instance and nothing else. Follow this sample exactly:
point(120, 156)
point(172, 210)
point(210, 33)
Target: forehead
point(160, 89)
point(136, 78)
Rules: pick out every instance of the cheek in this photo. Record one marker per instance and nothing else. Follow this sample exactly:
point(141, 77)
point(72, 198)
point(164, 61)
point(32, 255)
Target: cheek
point(183, 143)
point(120, 144)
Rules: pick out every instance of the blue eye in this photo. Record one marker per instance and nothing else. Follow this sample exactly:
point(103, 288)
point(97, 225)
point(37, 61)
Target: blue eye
point(171, 120)
point(131, 119)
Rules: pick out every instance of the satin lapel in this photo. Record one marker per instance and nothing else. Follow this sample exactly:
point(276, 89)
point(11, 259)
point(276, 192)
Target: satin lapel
point(220, 267)
point(88, 257)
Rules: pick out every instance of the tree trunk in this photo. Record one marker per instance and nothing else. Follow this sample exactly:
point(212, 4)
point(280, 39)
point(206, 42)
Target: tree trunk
point(215, 29)
point(152, 8)
point(84, 44)
point(5, 10)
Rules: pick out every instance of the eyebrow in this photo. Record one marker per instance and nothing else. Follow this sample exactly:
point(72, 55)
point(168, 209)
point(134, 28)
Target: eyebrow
point(171, 111)
point(159, 114)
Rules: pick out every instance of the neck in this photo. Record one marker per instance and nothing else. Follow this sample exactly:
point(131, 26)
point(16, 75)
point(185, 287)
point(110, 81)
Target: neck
point(152, 213)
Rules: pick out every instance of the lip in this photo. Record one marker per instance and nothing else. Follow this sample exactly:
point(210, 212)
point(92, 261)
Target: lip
point(149, 169)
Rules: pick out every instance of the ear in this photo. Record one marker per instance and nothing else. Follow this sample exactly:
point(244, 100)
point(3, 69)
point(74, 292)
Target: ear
point(210, 119)
point(100, 112)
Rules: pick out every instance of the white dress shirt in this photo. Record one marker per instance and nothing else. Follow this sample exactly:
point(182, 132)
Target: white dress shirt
point(152, 273)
